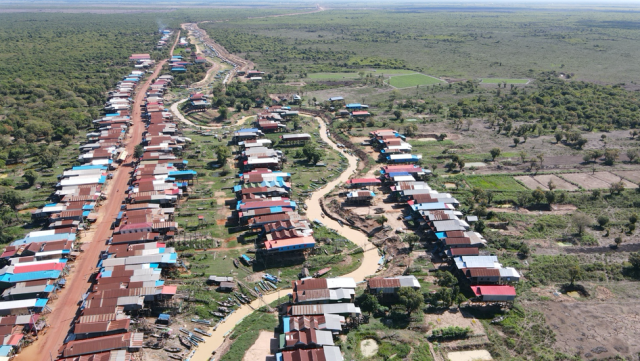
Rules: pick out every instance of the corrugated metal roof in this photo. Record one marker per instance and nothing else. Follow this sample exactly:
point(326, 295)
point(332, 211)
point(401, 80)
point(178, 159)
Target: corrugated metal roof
point(384, 283)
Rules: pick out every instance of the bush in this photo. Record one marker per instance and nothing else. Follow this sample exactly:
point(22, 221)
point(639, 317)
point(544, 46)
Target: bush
point(450, 333)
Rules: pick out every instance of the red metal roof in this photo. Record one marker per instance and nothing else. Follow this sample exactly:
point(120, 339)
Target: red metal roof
point(309, 284)
point(384, 283)
point(363, 180)
point(95, 345)
point(494, 290)
point(464, 251)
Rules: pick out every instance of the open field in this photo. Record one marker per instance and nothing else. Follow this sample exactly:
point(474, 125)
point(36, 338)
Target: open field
point(600, 330)
point(411, 80)
point(504, 81)
point(495, 183)
point(585, 181)
point(632, 175)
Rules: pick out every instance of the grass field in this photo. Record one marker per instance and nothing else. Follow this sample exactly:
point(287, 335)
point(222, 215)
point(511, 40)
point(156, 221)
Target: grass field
point(411, 80)
point(354, 75)
point(495, 183)
point(506, 81)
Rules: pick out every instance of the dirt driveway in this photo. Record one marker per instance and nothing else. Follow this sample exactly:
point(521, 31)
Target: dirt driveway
point(261, 349)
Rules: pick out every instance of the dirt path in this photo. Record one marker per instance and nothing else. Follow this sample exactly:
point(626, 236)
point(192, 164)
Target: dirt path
point(174, 109)
point(66, 306)
point(368, 266)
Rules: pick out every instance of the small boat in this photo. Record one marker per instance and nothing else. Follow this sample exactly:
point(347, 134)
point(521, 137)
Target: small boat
point(185, 341)
point(236, 263)
point(322, 272)
point(217, 314)
point(173, 349)
point(262, 287)
point(204, 322)
point(257, 291)
point(272, 285)
point(225, 304)
point(202, 332)
point(175, 357)
point(185, 331)
point(197, 338)
point(224, 309)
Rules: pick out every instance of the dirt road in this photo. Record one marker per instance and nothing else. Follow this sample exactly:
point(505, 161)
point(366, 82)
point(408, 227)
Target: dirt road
point(66, 306)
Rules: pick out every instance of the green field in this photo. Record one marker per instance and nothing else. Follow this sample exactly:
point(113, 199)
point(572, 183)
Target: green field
point(506, 81)
point(411, 80)
point(495, 183)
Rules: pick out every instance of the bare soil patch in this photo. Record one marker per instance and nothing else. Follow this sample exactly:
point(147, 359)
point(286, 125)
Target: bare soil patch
point(560, 183)
point(530, 182)
point(261, 349)
point(612, 178)
point(595, 330)
point(460, 318)
point(476, 355)
point(368, 347)
point(632, 175)
point(585, 181)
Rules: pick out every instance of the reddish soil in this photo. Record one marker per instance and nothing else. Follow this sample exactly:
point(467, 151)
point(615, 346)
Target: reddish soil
point(66, 306)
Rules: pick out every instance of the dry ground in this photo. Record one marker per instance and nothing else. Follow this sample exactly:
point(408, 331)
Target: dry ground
point(262, 348)
point(599, 330)
point(477, 355)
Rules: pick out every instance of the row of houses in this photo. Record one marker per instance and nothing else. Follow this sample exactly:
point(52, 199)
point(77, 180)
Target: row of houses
point(166, 35)
point(129, 278)
point(438, 216)
point(317, 312)
point(35, 266)
point(272, 119)
point(262, 196)
point(393, 147)
point(353, 110)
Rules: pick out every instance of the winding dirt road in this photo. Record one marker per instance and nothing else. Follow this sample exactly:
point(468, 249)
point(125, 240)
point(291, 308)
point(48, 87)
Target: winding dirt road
point(66, 306)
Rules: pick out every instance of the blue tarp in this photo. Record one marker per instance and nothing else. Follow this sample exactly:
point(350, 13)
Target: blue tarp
point(441, 235)
point(285, 324)
point(429, 206)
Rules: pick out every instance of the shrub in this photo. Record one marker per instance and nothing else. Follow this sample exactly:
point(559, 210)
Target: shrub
point(450, 333)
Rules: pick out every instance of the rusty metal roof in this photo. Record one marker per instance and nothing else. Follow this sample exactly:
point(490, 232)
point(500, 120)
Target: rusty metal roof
point(384, 283)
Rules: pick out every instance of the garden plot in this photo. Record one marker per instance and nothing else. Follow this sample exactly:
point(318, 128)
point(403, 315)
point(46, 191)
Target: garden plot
point(632, 175)
point(560, 183)
point(586, 181)
point(612, 178)
point(530, 182)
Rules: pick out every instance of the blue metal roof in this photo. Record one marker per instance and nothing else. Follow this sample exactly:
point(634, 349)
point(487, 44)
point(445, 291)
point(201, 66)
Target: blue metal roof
point(29, 276)
point(441, 235)
point(164, 316)
point(48, 238)
point(5, 350)
point(84, 167)
point(41, 302)
point(429, 206)
point(285, 324)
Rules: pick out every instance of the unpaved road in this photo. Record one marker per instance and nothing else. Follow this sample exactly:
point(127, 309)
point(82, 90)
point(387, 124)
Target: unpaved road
point(66, 306)
point(368, 266)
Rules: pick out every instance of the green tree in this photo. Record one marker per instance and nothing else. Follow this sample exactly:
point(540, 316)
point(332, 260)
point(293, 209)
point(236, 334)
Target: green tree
point(12, 199)
point(397, 114)
point(138, 151)
point(30, 177)
point(634, 259)
point(369, 303)
point(618, 241)
point(550, 196)
point(411, 299)
point(495, 153)
point(580, 221)
point(610, 156)
point(446, 279)
point(575, 273)
point(603, 221)
point(524, 250)
point(381, 220)
point(516, 141)
point(479, 226)
point(312, 152)
point(222, 154)
point(538, 195)
point(412, 239)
